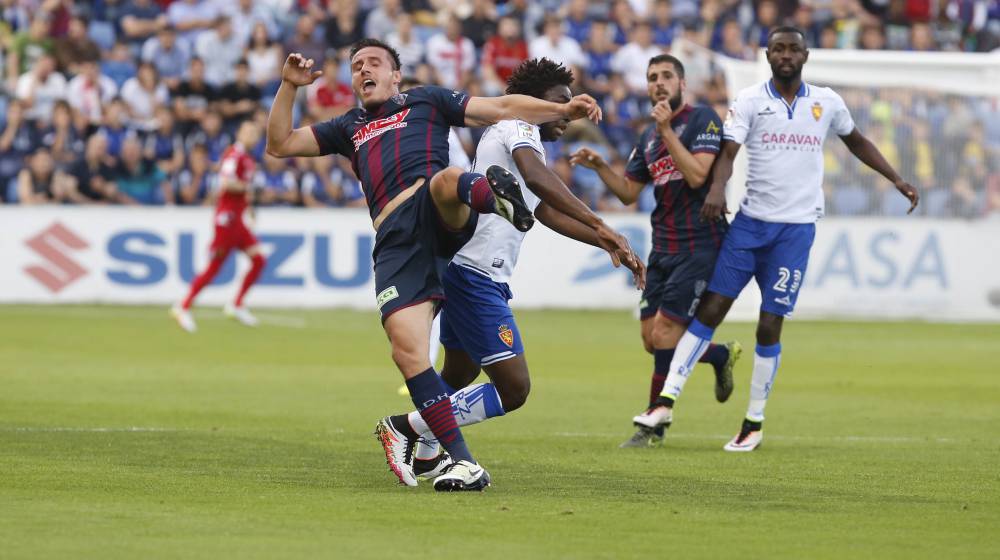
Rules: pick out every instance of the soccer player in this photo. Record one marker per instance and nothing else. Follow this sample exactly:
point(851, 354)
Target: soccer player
point(422, 210)
point(236, 169)
point(675, 153)
point(478, 329)
point(783, 122)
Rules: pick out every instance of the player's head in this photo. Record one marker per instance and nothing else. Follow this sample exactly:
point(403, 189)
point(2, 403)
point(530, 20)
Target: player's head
point(544, 79)
point(375, 72)
point(665, 80)
point(248, 134)
point(786, 52)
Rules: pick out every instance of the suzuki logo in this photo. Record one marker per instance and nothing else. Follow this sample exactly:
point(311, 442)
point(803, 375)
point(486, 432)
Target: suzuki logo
point(52, 244)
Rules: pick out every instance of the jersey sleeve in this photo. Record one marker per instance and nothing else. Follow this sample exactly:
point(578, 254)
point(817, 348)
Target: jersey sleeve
point(708, 137)
point(451, 103)
point(842, 123)
point(519, 134)
point(737, 125)
point(636, 169)
point(332, 137)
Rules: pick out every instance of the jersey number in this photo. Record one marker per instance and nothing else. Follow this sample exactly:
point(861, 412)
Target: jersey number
point(784, 275)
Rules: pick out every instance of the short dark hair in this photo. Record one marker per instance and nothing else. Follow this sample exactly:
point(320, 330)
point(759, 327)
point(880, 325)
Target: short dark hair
point(785, 29)
point(668, 59)
point(369, 42)
point(536, 76)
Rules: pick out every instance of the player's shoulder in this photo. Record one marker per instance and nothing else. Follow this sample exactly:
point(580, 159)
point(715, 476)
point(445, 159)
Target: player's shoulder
point(820, 92)
point(704, 113)
point(756, 92)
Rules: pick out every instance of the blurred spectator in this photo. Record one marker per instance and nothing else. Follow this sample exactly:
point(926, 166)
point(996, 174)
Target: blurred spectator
point(37, 183)
point(191, 18)
point(410, 48)
point(119, 64)
point(220, 49)
point(578, 20)
point(195, 182)
point(382, 20)
point(89, 175)
point(65, 140)
point(75, 47)
point(501, 55)
point(451, 55)
point(142, 95)
point(481, 23)
point(165, 145)
point(921, 38)
point(19, 138)
point(872, 38)
point(600, 51)
point(732, 44)
point(320, 184)
point(239, 99)
point(767, 18)
point(622, 19)
point(632, 60)
point(116, 127)
point(245, 15)
point(664, 27)
point(803, 19)
point(211, 135)
point(530, 14)
point(555, 46)
point(140, 21)
point(304, 41)
point(344, 24)
point(28, 46)
point(170, 56)
point(193, 98)
point(327, 97)
point(89, 91)
point(137, 180)
point(265, 59)
point(39, 89)
point(277, 183)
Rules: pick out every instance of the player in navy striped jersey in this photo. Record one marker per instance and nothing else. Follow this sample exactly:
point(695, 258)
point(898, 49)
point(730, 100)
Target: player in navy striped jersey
point(675, 153)
point(423, 210)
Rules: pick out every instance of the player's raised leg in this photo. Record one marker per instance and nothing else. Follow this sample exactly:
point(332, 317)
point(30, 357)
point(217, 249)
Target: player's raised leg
point(455, 192)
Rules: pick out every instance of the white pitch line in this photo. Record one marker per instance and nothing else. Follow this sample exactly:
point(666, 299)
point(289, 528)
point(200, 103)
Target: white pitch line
point(851, 439)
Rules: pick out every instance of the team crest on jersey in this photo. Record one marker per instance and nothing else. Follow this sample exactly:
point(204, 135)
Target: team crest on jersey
point(379, 127)
point(399, 99)
point(506, 336)
point(817, 110)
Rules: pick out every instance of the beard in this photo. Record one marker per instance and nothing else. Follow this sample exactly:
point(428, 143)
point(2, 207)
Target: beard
point(676, 100)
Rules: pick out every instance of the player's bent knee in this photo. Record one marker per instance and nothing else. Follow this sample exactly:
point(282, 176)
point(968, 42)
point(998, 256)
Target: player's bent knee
point(443, 184)
point(410, 361)
point(514, 393)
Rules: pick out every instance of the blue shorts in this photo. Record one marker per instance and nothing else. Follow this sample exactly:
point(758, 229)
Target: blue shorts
point(475, 317)
point(674, 284)
point(774, 254)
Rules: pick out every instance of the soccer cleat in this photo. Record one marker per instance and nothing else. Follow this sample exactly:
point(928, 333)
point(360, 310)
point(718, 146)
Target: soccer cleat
point(183, 318)
point(655, 417)
point(750, 436)
point(398, 451)
point(724, 375)
point(509, 202)
point(403, 390)
point(462, 476)
point(644, 437)
point(432, 468)
point(241, 314)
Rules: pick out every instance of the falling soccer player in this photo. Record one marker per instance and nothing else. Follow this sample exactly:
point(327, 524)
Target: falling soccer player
point(236, 169)
point(423, 211)
point(783, 123)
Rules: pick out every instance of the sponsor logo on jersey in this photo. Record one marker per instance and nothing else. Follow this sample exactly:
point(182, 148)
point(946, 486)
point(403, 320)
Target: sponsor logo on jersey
point(506, 336)
point(379, 127)
point(664, 171)
point(525, 130)
point(766, 112)
point(817, 110)
point(712, 128)
point(497, 263)
point(791, 139)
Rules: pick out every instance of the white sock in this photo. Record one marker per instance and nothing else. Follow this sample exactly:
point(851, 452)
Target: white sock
point(765, 367)
point(435, 340)
point(689, 350)
point(470, 405)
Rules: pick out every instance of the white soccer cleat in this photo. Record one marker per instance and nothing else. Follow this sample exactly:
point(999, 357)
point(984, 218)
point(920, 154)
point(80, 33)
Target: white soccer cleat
point(241, 314)
point(750, 437)
point(654, 417)
point(183, 318)
point(462, 476)
point(398, 451)
point(432, 468)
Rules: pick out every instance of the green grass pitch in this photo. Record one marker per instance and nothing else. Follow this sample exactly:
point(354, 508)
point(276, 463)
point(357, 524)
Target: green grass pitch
point(123, 437)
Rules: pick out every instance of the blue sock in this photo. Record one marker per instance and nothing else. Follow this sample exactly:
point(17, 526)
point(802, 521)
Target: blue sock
point(430, 395)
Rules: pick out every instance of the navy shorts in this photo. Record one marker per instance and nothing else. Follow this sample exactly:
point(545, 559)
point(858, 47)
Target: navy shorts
point(413, 247)
point(674, 284)
point(476, 317)
point(774, 254)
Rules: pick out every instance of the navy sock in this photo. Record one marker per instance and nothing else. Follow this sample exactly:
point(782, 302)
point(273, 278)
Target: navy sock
point(430, 395)
point(474, 190)
point(661, 367)
point(717, 355)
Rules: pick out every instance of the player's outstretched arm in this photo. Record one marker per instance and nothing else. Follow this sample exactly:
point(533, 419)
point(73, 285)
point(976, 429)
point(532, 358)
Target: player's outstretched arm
point(282, 140)
point(486, 111)
point(624, 188)
point(863, 149)
point(568, 227)
point(715, 202)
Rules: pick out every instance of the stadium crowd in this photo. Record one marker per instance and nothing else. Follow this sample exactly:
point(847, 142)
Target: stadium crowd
point(133, 101)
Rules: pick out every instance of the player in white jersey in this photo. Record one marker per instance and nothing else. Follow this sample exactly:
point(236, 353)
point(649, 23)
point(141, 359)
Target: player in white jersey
point(783, 123)
point(477, 326)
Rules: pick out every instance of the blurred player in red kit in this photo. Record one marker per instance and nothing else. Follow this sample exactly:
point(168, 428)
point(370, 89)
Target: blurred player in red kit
point(236, 169)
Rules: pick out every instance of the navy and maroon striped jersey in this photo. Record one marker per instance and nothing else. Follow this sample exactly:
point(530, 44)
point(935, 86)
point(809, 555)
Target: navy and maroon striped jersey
point(403, 140)
point(677, 227)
